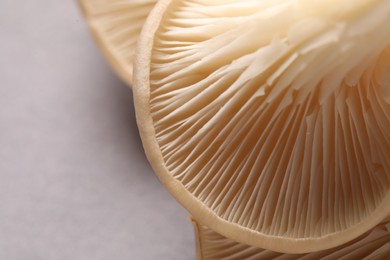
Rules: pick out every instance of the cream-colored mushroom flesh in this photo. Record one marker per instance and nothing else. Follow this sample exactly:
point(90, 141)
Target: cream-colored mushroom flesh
point(374, 244)
point(116, 25)
point(270, 120)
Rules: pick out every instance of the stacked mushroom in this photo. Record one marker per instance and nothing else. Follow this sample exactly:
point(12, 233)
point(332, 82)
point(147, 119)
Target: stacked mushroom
point(269, 121)
point(115, 25)
point(375, 244)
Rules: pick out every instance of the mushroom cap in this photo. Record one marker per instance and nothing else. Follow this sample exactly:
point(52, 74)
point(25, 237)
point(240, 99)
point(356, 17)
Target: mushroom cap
point(269, 120)
point(374, 244)
point(115, 25)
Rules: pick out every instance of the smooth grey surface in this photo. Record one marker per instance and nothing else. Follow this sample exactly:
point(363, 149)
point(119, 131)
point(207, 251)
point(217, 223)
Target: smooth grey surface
point(74, 182)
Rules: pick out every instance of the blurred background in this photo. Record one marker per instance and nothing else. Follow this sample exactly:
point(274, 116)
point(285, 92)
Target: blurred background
point(74, 181)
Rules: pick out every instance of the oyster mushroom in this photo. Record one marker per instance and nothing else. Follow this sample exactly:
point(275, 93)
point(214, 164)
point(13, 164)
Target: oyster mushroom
point(269, 120)
point(375, 244)
point(115, 25)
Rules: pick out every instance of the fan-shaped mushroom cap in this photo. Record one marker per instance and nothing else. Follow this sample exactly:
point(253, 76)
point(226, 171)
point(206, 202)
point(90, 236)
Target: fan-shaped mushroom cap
point(375, 244)
point(116, 25)
point(270, 120)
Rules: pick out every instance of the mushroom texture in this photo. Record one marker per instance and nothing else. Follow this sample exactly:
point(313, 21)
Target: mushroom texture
point(269, 120)
point(374, 244)
point(116, 25)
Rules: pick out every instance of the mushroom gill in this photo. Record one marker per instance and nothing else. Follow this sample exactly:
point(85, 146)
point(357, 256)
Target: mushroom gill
point(269, 120)
point(374, 244)
point(116, 25)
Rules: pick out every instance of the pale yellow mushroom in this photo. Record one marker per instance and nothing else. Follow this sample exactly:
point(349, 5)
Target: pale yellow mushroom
point(375, 244)
point(270, 120)
point(115, 25)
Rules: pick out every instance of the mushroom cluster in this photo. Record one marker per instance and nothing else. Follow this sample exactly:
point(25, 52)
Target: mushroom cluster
point(268, 120)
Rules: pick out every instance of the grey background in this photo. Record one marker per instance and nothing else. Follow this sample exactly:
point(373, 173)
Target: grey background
point(74, 182)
